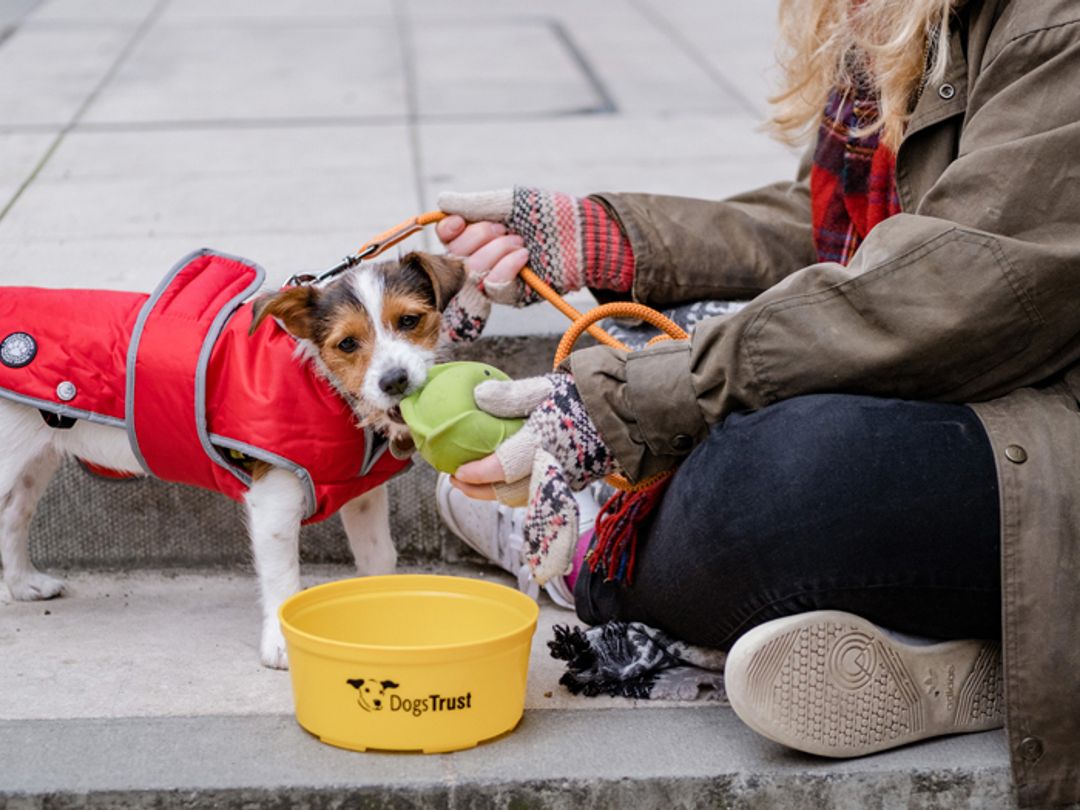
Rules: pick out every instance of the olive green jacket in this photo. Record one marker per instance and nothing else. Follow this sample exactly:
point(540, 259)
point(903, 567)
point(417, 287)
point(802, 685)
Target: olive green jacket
point(971, 294)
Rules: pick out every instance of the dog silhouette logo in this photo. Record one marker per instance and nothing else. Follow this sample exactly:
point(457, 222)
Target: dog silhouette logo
point(371, 693)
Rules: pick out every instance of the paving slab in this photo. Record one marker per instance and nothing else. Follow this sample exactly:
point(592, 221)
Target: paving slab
point(225, 71)
point(12, 12)
point(275, 10)
point(734, 42)
point(642, 51)
point(116, 210)
point(489, 67)
point(707, 156)
point(20, 154)
point(47, 73)
point(670, 758)
point(98, 12)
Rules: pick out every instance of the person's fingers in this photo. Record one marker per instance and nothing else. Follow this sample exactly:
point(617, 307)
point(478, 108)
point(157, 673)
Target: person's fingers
point(480, 263)
point(486, 470)
point(512, 398)
point(477, 205)
point(474, 237)
point(479, 492)
point(450, 228)
point(506, 269)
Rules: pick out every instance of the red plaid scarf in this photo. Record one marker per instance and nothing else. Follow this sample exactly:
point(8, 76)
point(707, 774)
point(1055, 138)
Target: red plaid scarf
point(853, 179)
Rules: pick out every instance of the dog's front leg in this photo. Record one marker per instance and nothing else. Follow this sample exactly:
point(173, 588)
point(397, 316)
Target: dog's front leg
point(275, 507)
point(367, 525)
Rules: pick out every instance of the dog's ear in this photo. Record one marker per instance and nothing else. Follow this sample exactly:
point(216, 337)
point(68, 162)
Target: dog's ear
point(355, 683)
point(389, 685)
point(294, 307)
point(446, 274)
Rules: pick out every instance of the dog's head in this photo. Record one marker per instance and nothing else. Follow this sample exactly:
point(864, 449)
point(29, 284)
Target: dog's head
point(372, 331)
point(371, 693)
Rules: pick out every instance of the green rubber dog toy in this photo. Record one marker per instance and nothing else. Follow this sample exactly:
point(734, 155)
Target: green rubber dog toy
point(447, 427)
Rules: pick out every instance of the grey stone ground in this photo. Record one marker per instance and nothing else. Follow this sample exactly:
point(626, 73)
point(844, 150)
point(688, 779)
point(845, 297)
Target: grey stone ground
point(288, 131)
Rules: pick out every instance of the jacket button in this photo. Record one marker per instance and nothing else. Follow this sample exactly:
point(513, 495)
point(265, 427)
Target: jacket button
point(946, 91)
point(1031, 748)
point(66, 391)
point(1016, 454)
point(681, 443)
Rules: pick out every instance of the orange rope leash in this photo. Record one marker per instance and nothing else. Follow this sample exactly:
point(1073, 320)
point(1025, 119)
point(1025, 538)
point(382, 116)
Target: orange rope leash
point(581, 323)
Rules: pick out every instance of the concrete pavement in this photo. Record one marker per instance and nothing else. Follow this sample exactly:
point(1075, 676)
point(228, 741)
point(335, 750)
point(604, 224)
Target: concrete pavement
point(139, 690)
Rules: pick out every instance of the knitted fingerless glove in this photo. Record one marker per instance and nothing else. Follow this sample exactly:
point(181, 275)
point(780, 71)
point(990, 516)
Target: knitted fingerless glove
point(572, 242)
point(559, 450)
point(466, 314)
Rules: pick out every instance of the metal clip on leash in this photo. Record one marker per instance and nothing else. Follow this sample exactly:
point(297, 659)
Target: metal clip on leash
point(369, 250)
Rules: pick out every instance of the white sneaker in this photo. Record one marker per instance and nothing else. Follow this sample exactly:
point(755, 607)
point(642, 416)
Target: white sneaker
point(833, 684)
point(495, 532)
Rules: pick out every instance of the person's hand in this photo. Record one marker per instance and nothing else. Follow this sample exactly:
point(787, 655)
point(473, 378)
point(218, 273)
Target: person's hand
point(499, 232)
point(559, 450)
point(488, 251)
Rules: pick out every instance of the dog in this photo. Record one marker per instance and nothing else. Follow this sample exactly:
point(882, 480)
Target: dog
point(367, 339)
point(370, 692)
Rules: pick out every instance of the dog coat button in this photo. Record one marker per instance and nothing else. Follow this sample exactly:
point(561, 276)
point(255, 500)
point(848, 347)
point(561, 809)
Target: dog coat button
point(946, 91)
point(17, 350)
point(1016, 454)
point(66, 391)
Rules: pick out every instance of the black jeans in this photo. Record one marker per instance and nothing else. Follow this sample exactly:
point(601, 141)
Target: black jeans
point(884, 508)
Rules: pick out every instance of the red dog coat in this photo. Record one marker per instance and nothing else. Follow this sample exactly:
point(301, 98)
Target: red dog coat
point(178, 370)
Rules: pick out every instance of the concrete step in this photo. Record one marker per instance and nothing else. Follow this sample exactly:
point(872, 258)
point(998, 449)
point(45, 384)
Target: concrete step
point(85, 521)
point(144, 690)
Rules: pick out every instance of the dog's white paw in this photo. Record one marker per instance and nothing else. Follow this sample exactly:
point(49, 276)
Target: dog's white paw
point(35, 586)
point(272, 648)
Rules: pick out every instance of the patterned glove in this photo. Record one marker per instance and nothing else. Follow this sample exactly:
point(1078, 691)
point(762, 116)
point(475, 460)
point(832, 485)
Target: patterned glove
point(558, 451)
point(466, 314)
point(572, 242)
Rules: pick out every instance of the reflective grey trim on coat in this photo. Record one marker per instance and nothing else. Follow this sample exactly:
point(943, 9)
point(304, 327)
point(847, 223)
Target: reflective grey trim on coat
point(133, 349)
point(269, 458)
point(203, 362)
point(61, 410)
point(200, 383)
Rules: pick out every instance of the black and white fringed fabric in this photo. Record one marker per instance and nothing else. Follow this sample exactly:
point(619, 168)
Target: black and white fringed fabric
point(630, 659)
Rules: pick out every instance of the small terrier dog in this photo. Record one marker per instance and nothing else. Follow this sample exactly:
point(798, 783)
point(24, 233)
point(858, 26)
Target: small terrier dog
point(372, 333)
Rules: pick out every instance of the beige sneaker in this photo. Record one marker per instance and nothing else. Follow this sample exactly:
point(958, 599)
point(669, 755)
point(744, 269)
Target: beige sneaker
point(833, 684)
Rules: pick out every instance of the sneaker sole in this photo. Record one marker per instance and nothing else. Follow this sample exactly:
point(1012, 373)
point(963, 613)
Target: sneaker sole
point(833, 684)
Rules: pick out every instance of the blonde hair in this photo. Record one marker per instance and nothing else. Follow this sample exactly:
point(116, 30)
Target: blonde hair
point(894, 45)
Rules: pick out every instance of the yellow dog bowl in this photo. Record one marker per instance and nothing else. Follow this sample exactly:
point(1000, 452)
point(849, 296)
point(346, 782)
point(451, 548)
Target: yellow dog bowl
point(408, 663)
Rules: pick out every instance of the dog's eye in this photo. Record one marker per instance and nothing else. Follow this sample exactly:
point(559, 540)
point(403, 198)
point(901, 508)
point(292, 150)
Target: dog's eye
point(349, 345)
point(407, 322)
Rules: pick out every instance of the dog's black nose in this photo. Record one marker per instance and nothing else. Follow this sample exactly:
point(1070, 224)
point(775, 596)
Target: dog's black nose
point(394, 382)
point(378, 703)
